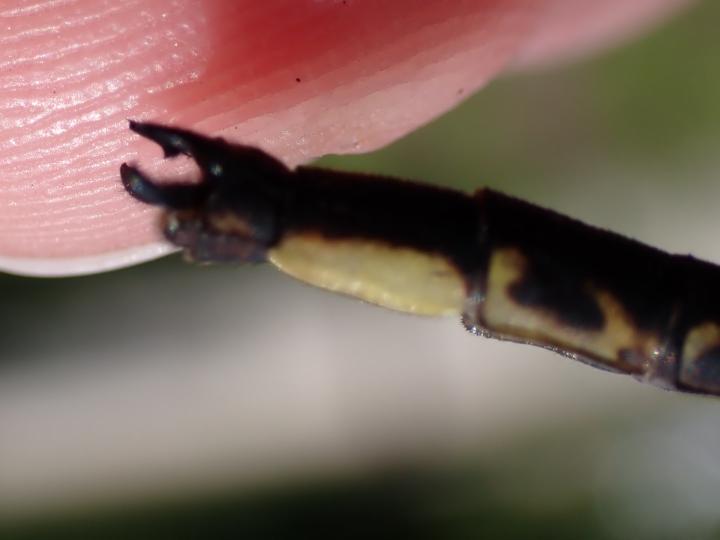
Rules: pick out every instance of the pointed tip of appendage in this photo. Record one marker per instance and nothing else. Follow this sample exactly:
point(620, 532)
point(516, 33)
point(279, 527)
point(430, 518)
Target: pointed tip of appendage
point(139, 186)
point(173, 141)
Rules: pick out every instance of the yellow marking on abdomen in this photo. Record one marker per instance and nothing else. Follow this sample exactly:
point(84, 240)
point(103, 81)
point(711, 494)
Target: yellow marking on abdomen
point(696, 372)
point(398, 278)
point(700, 339)
point(503, 314)
point(229, 222)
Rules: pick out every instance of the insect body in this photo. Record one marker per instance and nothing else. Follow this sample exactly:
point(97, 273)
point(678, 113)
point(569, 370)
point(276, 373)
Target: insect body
point(510, 269)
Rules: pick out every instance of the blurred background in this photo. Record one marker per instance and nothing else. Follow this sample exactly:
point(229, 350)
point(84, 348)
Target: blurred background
point(169, 400)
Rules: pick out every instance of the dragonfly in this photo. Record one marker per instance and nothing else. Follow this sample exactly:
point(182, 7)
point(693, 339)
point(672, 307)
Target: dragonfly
point(509, 269)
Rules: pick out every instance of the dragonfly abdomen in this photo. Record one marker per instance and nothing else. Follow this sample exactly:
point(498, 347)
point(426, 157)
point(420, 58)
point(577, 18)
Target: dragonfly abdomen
point(513, 270)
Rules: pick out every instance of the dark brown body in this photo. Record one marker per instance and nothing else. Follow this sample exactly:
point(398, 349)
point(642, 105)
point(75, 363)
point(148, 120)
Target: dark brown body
point(512, 270)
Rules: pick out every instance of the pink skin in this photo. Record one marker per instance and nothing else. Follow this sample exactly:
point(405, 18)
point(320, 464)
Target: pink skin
point(301, 78)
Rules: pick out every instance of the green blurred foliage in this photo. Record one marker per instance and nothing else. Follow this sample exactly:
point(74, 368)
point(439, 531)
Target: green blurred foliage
point(547, 487)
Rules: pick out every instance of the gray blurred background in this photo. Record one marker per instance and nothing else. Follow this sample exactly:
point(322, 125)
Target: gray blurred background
point(168, 400)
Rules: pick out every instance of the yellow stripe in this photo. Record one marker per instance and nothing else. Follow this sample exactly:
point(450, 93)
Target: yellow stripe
point(701, 338)
point(501, 313)
point(398, 278)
